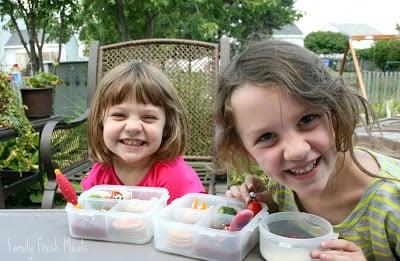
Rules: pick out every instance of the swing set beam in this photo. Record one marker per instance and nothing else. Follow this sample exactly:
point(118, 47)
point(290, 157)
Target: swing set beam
point(357, 68)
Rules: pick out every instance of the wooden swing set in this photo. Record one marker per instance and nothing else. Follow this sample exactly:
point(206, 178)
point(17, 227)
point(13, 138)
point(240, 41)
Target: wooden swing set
point(350, 47)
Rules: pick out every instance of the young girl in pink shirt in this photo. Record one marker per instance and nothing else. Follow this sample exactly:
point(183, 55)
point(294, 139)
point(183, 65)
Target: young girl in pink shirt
point(138, 132)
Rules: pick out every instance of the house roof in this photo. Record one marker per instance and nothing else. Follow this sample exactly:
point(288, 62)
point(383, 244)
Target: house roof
point(15, 40)
point(288, 29)
point(354, 29)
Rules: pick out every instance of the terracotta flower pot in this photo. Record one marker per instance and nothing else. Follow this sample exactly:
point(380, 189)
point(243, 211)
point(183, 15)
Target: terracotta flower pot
point(39, 101)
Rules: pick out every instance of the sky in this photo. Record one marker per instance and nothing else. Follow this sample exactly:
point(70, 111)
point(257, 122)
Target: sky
point(383, 15)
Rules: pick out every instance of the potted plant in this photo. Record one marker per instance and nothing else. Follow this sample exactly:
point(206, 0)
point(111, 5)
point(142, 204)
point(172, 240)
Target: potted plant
point(38, 94)
point(17, 154)
point(20, 155)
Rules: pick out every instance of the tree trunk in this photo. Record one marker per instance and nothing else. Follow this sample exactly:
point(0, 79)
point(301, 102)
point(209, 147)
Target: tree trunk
point(149, 25)
point(121, 22)
point(62, 19)
point(32, 35)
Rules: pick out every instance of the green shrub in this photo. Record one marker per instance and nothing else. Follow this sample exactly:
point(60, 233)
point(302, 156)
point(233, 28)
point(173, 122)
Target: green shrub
point(381, 108)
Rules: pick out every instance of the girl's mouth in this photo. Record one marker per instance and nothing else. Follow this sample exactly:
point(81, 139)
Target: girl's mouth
point(305, 170)
point(135, 143)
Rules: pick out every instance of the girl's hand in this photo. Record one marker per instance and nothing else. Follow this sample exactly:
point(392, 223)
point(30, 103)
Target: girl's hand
point(256, 185)
point(338, 250)
point(241, 192)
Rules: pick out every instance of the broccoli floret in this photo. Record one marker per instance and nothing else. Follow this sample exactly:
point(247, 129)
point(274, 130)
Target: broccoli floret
point(227, 210)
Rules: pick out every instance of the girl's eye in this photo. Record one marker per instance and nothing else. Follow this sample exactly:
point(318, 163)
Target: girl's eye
point(117, 115)
point(266, 137)
point(149, 117)
point(307, 119)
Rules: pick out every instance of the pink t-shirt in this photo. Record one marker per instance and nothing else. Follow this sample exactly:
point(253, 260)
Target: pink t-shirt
point(176, 176)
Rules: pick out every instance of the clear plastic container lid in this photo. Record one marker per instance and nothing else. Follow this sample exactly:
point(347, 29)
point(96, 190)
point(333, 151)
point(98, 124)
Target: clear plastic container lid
point(296, 229)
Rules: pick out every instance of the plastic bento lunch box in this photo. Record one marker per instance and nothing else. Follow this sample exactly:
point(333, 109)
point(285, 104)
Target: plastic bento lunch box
point(116, 213)
point(195, 226)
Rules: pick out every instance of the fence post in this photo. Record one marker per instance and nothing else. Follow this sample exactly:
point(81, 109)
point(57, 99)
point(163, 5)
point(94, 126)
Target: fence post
point(224, 53)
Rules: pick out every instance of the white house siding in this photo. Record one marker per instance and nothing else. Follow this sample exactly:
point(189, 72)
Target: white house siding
point(289, 33)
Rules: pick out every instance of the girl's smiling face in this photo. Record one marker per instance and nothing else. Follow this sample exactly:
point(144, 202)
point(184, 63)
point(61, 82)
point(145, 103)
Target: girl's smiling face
point(134, 131)
point(291, 141)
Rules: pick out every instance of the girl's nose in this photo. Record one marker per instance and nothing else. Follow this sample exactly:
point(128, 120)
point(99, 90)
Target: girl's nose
point(295, 147)
point(133, 125)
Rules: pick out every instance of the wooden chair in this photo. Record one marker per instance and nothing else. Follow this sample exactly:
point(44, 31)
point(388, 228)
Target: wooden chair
point(192, 66)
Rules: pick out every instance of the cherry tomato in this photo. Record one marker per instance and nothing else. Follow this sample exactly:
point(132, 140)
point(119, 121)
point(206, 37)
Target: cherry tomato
point(254, 206)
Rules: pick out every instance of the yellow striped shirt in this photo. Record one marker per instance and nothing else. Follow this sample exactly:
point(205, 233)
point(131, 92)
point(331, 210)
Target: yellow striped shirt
point(374, 224)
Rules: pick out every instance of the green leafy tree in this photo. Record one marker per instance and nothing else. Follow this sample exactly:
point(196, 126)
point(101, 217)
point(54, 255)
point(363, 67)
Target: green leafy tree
point(252, 20)
point(45, 20)
point(381, 52)
point(205, 20)
point(384, 51)
point(244, 20)
point(116, 21)
point(365, 54)
point(326, 42)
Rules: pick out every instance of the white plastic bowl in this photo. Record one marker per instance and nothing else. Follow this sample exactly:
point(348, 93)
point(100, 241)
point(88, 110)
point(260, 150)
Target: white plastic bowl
point(291, 235)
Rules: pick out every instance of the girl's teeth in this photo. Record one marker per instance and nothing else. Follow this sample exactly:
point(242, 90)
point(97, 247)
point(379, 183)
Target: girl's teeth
point(306, 170)
point(132, 143)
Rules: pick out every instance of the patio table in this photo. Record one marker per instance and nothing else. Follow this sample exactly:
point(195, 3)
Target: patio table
point(42, 234)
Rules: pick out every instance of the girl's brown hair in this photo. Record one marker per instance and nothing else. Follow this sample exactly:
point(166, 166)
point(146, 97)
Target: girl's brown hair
point(148, 85)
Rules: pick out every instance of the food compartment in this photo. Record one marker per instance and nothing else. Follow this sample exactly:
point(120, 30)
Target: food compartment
point(208, 202)
point(124, 217)
point(136, 205)
point(174, 237)
point(216, 222)
point(87, 225)
point(184, 215)
point(129, 229)
point(124, 192)
point(97, 204)
point(148, 194)
point(216, 242)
